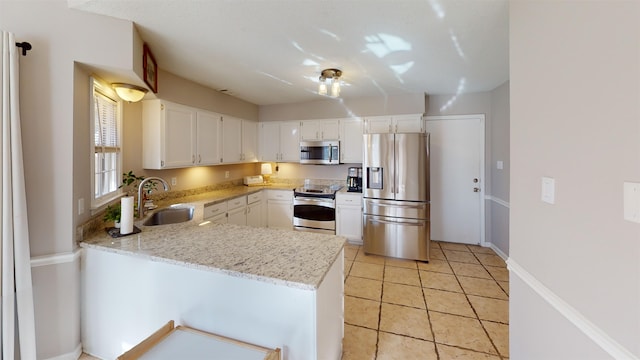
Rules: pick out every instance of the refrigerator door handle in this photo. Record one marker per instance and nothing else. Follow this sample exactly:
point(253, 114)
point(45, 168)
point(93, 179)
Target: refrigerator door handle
point(396, 205)
point(393, 222)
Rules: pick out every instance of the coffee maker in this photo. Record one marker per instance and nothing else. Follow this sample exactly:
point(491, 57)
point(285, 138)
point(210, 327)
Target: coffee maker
point(354, 179)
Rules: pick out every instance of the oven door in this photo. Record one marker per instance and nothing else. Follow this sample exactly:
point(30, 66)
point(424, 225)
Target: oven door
point(314, 213)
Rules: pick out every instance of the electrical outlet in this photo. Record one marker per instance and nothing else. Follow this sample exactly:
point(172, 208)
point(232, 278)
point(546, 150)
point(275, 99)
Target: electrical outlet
point(226, 174)
point(174, 181)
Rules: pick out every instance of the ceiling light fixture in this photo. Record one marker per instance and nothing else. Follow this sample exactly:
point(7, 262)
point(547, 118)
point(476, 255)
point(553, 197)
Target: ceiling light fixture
point(334, 76)
point(129, 92)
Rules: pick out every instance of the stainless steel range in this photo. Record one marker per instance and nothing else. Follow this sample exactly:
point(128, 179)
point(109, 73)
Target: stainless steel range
point(314, 208)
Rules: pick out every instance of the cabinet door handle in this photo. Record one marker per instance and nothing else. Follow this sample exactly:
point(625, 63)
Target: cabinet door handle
point(199, 158)
point(193, 159)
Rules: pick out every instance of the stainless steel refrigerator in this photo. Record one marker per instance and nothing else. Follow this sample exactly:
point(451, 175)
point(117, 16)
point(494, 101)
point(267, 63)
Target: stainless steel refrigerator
point(396, 195)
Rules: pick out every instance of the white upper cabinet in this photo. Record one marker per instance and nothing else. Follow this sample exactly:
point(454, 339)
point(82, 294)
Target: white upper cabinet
point(270, 141)
point(231, 140)
point(208, 130)
point(178, 136)
point(168, 135)
point(290, 141)
point(280, 141)
point(239, 139)
point(249, 141)
point(351, 140)
point(412, 123)
point(328, 129)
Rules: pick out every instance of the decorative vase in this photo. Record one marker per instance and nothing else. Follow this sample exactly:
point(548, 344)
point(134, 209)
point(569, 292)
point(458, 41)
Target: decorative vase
point(116, 224)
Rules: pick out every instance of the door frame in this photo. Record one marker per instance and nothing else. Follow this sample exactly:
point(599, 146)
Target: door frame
point(483, 179)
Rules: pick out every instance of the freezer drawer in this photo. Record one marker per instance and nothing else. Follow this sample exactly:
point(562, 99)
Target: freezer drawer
point(402, 209)
point(396, 237)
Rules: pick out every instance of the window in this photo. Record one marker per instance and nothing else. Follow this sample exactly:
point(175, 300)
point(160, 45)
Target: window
point(106, 140)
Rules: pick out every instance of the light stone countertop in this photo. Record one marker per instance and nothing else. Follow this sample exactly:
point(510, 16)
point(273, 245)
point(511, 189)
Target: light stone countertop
point(290, 258)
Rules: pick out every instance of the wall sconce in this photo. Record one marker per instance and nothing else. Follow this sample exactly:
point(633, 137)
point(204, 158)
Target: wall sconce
point(265, 171)
point(129, 92)
point(332, 75)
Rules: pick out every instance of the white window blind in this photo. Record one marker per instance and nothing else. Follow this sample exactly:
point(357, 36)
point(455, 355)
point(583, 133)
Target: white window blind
point(106, 145)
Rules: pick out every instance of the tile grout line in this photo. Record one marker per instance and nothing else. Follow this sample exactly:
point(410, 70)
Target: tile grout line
point(426, 307)
point(495, 347)
point(359, 251)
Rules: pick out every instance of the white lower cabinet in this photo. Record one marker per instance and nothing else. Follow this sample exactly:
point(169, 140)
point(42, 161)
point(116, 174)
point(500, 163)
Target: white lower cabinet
point(280, 209)
point(237, 211)
point(232, 211)
point(250, 210)
point(254, 210)
point(237, 216)
point(216, 213)
point(349, 216)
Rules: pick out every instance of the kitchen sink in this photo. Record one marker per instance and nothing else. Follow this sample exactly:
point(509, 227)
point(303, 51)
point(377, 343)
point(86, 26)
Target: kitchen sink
point(170, 215)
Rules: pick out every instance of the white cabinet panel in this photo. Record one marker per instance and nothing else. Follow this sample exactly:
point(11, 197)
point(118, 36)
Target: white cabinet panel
point(237, 203)
point(215, 210)
point(310, 130)
point(168, 135)
point(270, 141)
point(349, 216)
point(280, 209)
point(408, 123)
point(208, 130)
point(237, 216)
point(254, 214)
point(179, 123)
point(351, 140)
point(411, 123)
point(290, 141)
point(379, 125)
point(249, 141)
point(178, 136)
point(280, 141)
point(324, 129)
point(231, 140)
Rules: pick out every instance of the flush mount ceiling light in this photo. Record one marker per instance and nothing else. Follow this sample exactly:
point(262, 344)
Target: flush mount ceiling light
point(332, 75)
point(129, 92)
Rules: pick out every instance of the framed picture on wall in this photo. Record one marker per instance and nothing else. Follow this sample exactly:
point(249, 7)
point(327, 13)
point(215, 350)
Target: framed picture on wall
point(150, 69)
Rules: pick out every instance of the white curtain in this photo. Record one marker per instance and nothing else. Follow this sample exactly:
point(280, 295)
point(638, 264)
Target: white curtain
point(17, 291)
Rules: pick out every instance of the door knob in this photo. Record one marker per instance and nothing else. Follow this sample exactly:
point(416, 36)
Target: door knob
point(475, 180)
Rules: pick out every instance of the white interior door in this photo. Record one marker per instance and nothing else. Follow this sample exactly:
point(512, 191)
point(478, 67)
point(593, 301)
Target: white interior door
point(457, 174)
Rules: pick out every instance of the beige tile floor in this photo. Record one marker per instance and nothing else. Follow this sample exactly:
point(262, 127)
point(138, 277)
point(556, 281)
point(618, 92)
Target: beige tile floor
point(454, 307)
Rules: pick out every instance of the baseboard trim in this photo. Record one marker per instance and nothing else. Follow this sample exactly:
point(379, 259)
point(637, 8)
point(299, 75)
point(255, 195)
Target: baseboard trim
point(497, 200)
point(583, 324)
point(74, 355)
point(54, 259)
point(500, 253)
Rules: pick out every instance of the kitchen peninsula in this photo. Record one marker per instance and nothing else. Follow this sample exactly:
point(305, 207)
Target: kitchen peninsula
point(269, 287)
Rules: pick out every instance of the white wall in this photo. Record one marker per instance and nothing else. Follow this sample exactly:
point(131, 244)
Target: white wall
point(575, 117)
point(59, 37)
point(498, 203)
point(343, 108)
point(495, 106)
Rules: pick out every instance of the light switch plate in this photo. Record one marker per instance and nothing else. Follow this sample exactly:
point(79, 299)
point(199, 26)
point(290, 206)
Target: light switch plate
point(632, 201)
point(548, 190)
point(499, 165)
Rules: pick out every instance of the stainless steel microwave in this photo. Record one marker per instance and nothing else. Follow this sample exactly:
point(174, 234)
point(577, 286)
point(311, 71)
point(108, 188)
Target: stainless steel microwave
point(320, 152)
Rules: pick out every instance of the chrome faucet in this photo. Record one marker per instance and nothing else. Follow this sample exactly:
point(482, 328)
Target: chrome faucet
point(141, 186)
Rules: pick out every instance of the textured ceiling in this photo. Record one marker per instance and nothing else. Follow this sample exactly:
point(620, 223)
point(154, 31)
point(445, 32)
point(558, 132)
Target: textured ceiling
point(272, 51)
